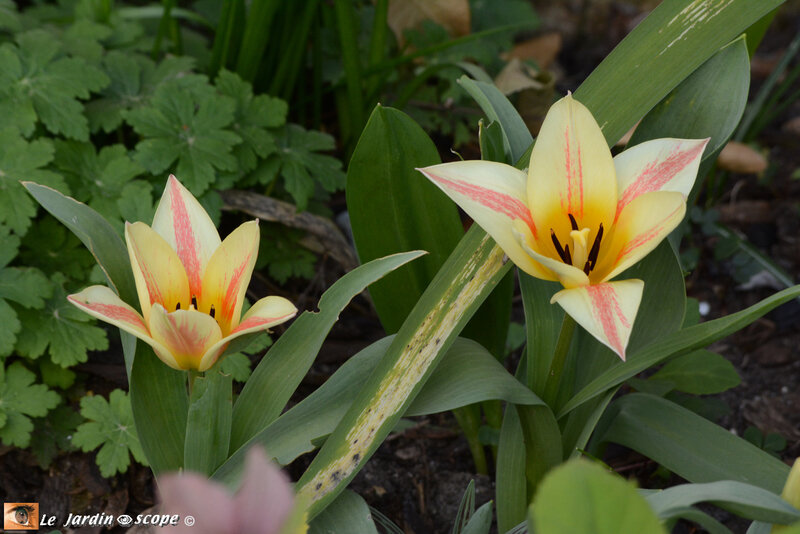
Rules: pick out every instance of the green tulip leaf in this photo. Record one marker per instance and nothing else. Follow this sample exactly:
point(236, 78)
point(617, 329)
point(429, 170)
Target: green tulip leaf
point(583, 497)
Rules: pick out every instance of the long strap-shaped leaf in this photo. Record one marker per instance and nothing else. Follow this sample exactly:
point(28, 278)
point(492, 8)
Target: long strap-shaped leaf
point(677, 37)
point(690, 445)
point(464, 281)
point(277, 376)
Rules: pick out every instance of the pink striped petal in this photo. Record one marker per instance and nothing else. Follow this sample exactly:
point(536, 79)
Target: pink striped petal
point(641, 226)
point(571, 172)
point(265, 500)
point(493, 194)
point(159, 274)
point(228, 274)
point(190, 494)
point(607, 311)
point(185, 225)
point(658, 165)
point(267, 312)
point(104, 304)
point(185, 334)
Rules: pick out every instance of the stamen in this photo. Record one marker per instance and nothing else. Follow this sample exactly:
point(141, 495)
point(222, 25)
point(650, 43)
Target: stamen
point(591, 262)
point(211, 311)
point(572, 221)
point(178, 306)
point(559, 250)
point(194, 301)
point(568, 258)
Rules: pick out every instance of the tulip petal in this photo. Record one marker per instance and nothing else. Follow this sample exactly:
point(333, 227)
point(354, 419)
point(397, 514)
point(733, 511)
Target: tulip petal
point(186, 335)
point(104, 304)
point(190, 494)
point(185, 225)
point(228, 275)
point(493, 194)
point(267, 312)
point(571, 171)
point(658, 165)
point(641, 226)
point(607, 311)
point(159, 274)
point(265, 499)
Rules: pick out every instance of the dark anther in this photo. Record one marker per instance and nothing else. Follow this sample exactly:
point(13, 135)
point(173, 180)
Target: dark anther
point(559, 250)
point(567, 256)
point(591, 261)
point(194, 302)
point(211, 311)
point(572, 221)
point(178, 306)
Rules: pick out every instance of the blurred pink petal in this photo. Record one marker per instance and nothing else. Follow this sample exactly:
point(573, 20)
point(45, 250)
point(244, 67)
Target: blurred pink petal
point(265, 498)
point(191, 494)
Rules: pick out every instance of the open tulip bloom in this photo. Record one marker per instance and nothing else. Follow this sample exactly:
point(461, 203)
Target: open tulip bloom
point(579, 216)
point(191, 285)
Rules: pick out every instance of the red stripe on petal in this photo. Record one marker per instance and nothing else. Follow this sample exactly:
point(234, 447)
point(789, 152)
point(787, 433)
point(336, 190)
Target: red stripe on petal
point(186, 340)
point(185, 239)
point(116, 313)
point(608, 311)
point(641, 239)
point(153, 289)
point(574, 205)
point(657, 174)
point(228, 303)
point(502, 203)
point(254, 322)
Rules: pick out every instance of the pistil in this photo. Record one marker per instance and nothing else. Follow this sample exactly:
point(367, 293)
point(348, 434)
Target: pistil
point(581, 254)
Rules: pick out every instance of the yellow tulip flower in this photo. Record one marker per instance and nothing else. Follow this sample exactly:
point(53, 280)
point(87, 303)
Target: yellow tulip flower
point(579, 216)
point(191, 285)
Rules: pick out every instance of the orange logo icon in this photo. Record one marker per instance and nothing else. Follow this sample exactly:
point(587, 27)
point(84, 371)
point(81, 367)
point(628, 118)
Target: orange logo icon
point(20, 516)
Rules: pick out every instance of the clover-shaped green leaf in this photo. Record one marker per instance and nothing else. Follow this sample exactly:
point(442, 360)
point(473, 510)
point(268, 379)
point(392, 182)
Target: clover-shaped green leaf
point(21, 399)
point(179, 125)
point(282, 255)
point(54, 433)
point(134, 78)
point(83, 37)
point(302, 167)
point(110, 425)
point(21, 160)
point(51, 247)
point(37, 82)
point(60, 328)
point(9, 16)
point(253, 117)
point(26, 286)
point(97, 179)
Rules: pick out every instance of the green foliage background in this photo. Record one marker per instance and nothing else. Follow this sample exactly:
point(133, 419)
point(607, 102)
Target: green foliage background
point(88, 111)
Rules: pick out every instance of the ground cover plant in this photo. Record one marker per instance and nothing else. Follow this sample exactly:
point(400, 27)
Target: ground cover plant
point(613, 351)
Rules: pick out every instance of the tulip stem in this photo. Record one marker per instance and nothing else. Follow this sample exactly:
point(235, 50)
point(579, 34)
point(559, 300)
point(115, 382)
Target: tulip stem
point(551, 387)
point(192, 375)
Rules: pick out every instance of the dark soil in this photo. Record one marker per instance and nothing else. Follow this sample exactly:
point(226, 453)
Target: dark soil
point(417, 478)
